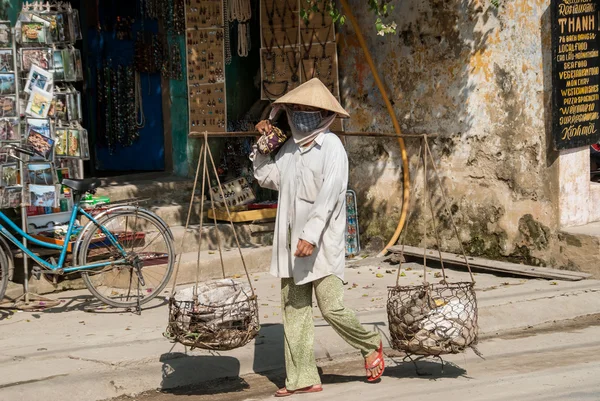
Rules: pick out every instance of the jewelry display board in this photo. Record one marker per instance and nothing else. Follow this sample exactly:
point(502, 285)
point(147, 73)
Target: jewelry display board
point(205, 47)
point(294, 50)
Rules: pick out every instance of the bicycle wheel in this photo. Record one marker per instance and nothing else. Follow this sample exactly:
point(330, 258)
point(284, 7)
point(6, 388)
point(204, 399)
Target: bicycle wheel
point(150, 256)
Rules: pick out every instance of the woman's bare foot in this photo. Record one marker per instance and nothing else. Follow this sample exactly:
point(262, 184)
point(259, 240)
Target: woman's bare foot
point(370, 359)
point(284, 392)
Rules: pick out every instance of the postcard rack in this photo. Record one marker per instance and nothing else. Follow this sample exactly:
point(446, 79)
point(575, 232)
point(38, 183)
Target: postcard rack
point(40, 109)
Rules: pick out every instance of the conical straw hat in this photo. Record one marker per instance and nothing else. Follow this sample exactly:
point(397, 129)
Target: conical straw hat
point(313, 94)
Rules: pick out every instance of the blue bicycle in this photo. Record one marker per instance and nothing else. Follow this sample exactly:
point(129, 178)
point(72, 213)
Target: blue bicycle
point(125, 254)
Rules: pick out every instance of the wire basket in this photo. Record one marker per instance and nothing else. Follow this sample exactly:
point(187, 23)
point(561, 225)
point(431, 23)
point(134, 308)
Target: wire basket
point(216, 328)
point(433, 319)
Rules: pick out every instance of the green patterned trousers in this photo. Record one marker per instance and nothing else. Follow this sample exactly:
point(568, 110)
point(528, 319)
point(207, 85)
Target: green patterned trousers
point(298, 327)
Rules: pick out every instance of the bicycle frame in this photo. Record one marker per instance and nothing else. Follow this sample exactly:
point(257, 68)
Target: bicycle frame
point(62, 248)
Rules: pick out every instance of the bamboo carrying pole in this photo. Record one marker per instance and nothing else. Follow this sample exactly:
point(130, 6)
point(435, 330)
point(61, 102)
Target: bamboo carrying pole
point(388, 104)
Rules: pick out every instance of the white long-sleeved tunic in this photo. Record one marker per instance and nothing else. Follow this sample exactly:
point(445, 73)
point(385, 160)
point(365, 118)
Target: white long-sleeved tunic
point(312, 186)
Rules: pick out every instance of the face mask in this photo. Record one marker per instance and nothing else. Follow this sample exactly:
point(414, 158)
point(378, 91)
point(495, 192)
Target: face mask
point(306, 121)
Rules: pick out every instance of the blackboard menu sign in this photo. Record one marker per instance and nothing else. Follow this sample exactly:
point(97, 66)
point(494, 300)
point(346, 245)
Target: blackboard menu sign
point(575, 73)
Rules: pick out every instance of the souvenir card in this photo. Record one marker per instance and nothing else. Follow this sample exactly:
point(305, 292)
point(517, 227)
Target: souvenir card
point(9, 174)
point(77, 34)
point(7, 61)
point(68, 65)
point(72, 107)
point(33, 33)
point(42, 57)
point(58, 108)
point(5, 34)
point(12, 197)
point(40, 173)
point(8, 106)
point(61, 141)
point(39, 125)
point(9, 129)
point(78, 65)
point(40, 144)
point(43, 195)
point(73, 145)
point(84, 144)
point(69, 28)
point(39, 78)
point(59, 71)
point(57, 28)
point(39, 103)
point(6, 154)
point(7, 84)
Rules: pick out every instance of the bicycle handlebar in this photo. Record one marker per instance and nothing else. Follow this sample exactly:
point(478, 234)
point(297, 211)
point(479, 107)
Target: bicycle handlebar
point(20, 149)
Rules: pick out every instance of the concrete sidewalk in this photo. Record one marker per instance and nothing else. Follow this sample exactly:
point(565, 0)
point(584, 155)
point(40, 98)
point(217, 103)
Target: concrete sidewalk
point(80, 351)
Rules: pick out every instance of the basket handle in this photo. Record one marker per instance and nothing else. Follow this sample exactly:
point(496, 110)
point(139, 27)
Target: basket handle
point(424, 156)
point(187, 222)
point(237, 241)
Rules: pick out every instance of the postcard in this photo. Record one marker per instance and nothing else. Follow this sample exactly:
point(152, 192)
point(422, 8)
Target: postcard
point(40, 144)
point(9, 174)
point(59, 71)
point(68, 65)
point(41, 57)
point(40, 125)
point(62, 135)
point(5, 34)
point(33, 32)
point(73, 146)
point(9, 129)
point(40, 173)
point(43, 195)
point(12, 197)
point(39, 103)
point(8, 106)
point(7, 84)
point(7, 60)
point(39, 78)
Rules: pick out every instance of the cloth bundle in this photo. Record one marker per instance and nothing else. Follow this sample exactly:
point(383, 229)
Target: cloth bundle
point(271, 141)
point(221, 303)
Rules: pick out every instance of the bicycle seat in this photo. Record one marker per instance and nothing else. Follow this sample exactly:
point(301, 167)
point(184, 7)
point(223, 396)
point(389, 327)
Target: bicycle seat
point(81, 186)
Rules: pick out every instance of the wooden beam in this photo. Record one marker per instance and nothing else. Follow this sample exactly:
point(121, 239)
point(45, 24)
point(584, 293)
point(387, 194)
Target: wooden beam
point(342, 133)
point(493, 265)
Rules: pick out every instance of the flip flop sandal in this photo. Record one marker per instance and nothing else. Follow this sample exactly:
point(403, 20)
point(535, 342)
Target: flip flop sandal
point(284, 392)
point(379, 361)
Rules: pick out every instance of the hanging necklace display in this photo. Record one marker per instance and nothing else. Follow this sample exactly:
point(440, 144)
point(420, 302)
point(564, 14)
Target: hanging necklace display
point(226, 28)
point(294, 66)
point(306, 54)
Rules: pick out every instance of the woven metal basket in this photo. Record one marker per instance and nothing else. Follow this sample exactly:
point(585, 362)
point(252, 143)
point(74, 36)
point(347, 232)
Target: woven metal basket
point(433, 319)
point(188, 324)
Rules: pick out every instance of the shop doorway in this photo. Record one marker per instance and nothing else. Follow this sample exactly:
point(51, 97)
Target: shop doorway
point(111, 87)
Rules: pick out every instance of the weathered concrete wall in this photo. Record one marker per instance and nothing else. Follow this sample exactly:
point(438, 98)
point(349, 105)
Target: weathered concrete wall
point(480, 79)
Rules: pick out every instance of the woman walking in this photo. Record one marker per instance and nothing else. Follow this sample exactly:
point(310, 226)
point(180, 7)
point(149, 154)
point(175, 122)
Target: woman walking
point(310, 171)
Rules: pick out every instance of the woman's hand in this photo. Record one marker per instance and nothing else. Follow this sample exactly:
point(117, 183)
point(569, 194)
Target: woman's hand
point(304, 249)
point(264, 127)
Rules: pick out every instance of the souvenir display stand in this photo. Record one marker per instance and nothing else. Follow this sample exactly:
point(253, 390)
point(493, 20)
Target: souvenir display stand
point(206, 41)
point(45, 118)
point(295, 50)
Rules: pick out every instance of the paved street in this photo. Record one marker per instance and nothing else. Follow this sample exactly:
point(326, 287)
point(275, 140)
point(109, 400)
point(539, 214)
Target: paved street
point(99, 353)
point(542, 367)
